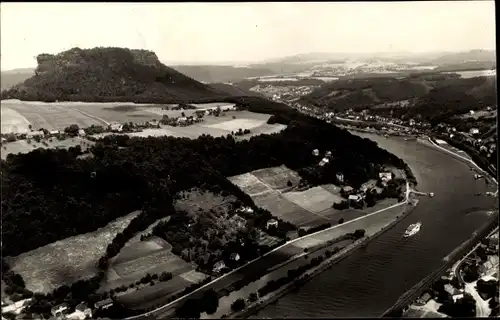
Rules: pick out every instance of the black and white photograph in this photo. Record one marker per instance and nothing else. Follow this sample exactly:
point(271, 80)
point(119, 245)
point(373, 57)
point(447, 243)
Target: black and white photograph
point(249, 160)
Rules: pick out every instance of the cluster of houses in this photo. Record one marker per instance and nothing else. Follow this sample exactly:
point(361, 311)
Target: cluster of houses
point(62, 311)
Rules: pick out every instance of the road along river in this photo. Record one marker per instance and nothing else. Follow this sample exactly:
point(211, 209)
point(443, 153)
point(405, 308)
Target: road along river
point(370, 280)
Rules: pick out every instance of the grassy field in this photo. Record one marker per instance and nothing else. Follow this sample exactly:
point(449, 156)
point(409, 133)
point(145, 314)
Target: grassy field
point(282, 208)
point(315, 199)
point(51, 117)
point(68, 260)
point(22, 146)
point(268, 188)
point(13, 121)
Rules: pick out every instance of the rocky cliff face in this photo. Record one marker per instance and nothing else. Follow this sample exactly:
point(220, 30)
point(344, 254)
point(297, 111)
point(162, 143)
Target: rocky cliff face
point(78, 57)
point(108, 74)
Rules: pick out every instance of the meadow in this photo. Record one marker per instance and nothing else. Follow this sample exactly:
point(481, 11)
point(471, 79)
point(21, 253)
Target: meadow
point(66, 261)
point(25, 146)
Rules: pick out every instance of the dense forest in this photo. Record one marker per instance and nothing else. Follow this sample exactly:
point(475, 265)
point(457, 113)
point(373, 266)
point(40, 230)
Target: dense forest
point(48, 195)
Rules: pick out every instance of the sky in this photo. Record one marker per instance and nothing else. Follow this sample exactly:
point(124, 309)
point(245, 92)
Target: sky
point(201, 33)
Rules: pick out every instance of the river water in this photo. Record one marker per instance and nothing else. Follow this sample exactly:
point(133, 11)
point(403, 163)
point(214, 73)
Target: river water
point(369, 281)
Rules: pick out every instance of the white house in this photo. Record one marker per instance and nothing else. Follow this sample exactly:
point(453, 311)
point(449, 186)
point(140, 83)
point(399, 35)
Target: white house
point(81, 133)
point(272, 223)
point(385, 176)
point(354, 197)
point(474, 131)
point(116, 126)
point(323, 162)
point(412, 122)
point(457, 297)
point(54, 132)
point(59, 309)
point(328, 154)
point(315, 152)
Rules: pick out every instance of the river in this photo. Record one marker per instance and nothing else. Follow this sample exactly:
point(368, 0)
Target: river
point(370, 280)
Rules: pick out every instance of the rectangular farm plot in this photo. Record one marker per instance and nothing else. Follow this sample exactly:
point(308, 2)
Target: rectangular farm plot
point(314, 199)
point(280, 207)
point(156, 262)
point(249, 184)
point(193, 276)
point(236, 124)
point(13, 121)
point(53, 117)
point(66, 261)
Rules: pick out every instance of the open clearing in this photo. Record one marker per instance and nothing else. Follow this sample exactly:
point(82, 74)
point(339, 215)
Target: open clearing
point(315, 199)
point(22, 146)
point(277, 177)
point(308, 208)
point(13, 121)
point(66, 261)
point(17, 115)
point(51, 117)
point(280, 207)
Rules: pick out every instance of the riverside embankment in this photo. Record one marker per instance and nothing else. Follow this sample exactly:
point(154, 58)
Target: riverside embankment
point(372, 233)
point(390, 264)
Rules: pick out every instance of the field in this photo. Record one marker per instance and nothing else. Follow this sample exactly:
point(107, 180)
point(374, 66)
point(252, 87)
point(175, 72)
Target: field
point(151, 256)
point(13, 121)
point(315, 199)
point(68, 260)
point(277, 177)
point(22, 146)
point(268, 188)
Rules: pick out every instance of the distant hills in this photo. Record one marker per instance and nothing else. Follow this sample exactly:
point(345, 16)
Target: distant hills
point(219, 73)
point(106, 74)
point(430, 95)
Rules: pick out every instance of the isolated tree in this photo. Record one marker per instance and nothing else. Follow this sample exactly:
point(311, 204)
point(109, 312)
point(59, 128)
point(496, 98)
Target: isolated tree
point(253, 297)
point(238, 305)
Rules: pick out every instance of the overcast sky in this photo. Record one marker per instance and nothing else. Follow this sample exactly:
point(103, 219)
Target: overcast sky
point(222, 32)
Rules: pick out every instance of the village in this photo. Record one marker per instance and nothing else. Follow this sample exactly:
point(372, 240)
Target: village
point(469, 288)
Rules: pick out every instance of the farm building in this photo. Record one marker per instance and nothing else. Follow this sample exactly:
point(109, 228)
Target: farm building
point(54, 132)
point(103, 304)
point(272, 223)
point(315, 152)
point(61, 309)
point(218, 266)
point(16, 307)
point(328, 154)
point(424, 299)
point(116, 127)
point(81, 133)
point(355, 198)
point(457, 297)
point(474, 131)
point(340, 177)
point(323, 162)
point(82, 311)
point(385, 176)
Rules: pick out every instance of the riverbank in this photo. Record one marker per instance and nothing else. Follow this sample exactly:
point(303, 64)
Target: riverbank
point(309, 275)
